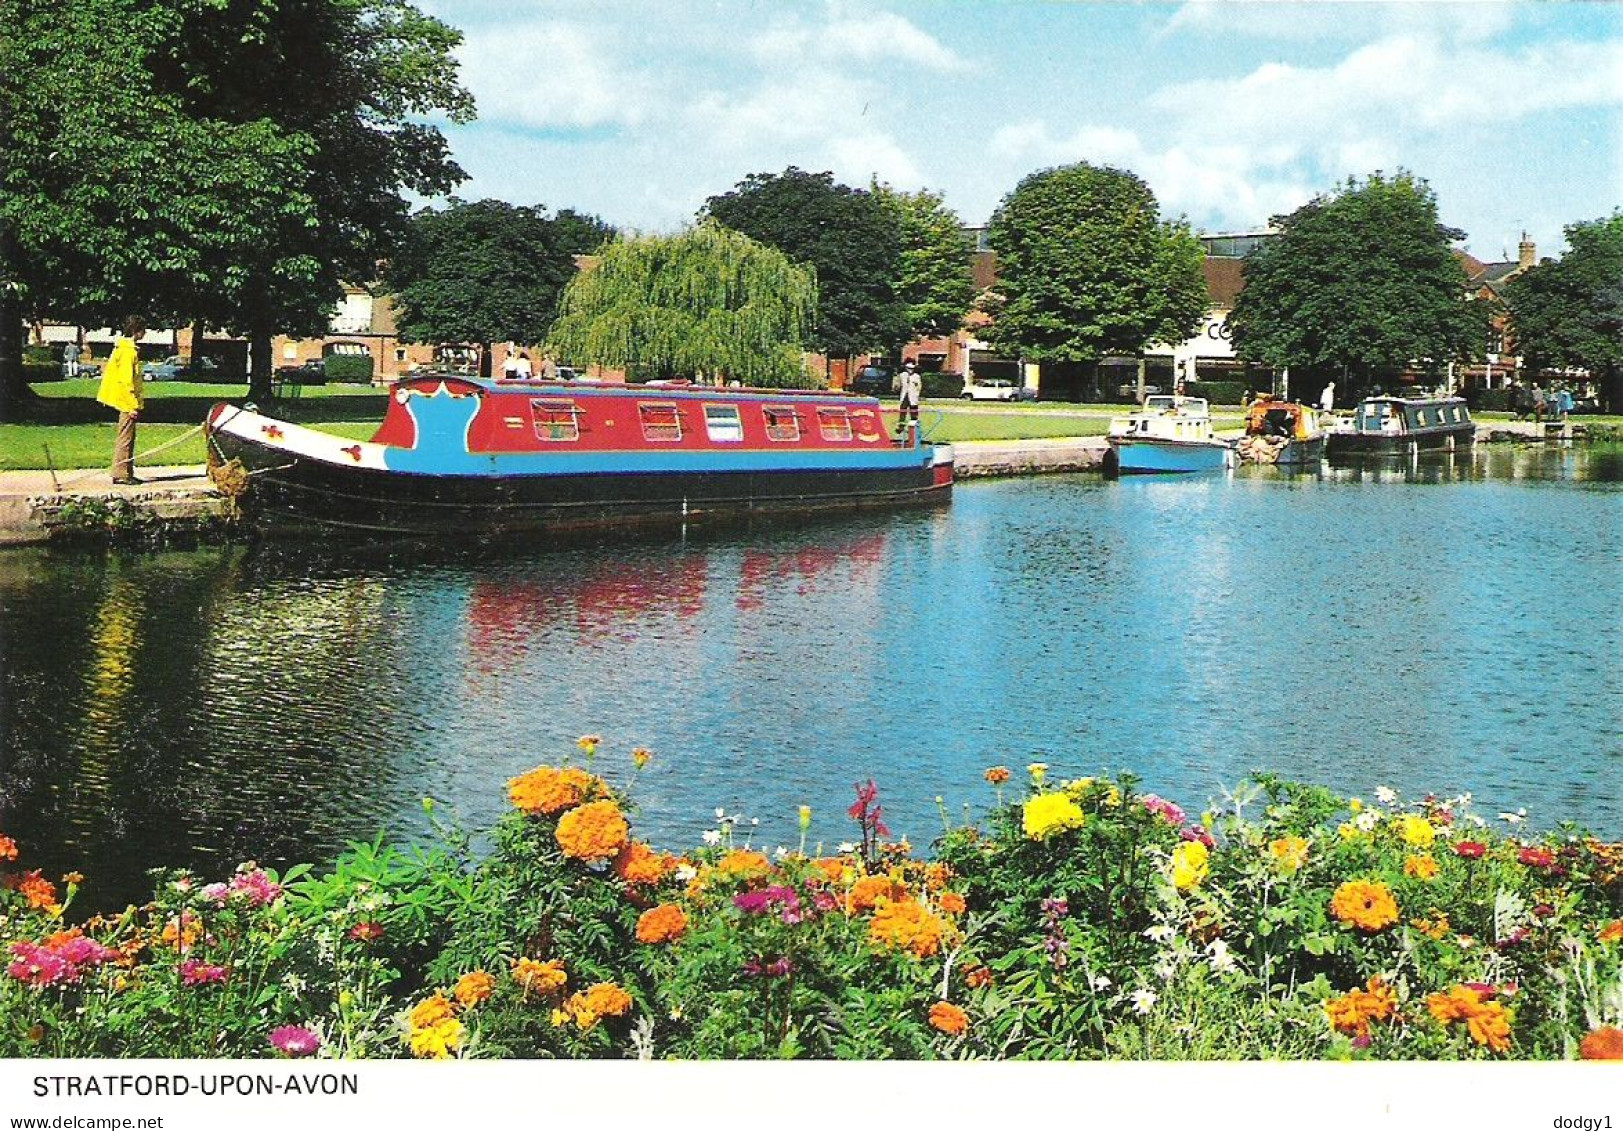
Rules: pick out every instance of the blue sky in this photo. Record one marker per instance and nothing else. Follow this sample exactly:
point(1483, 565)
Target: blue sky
point(1231, 112)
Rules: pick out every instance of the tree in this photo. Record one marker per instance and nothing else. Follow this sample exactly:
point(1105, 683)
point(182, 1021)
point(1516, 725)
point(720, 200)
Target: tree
point(709, 303)
point(487, 271)
point(1569, 312)
point(1357, 281)
point(936, 283)
point(1087, 268)
point(844, 234)
point(230, 163)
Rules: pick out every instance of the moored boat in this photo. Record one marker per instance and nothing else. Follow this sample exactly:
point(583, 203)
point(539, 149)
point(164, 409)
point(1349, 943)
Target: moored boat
point(1387, 425)
point(1281, 432)
point(1169, 435)
point(458, 454)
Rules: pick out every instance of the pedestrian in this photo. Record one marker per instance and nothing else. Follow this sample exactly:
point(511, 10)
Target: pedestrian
point(912, 390)
point(1327, 401)
point(1563, 402)
point(1538, 403)
point(510, 366)
point(524, 372)
point(70, 361)
point(121, 389)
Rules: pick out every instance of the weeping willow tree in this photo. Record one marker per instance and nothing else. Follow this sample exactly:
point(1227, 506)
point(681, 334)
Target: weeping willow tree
point(708, 305)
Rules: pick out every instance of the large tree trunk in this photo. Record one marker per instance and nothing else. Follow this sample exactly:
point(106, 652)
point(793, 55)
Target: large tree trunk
point(485, 352)
point(15, 395)
point(259, 365)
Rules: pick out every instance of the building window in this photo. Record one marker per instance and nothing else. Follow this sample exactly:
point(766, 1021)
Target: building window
point(660, 422)
point(834, 423)
point(782, 424)
point(400, 353)
point(722, 423)
point(555, 420)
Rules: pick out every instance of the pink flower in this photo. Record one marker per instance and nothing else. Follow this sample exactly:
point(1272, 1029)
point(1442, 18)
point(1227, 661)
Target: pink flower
point(40, 967)
point(368, 931)
point(195, 973)
point(1165, 808)
point(295, 1040)
point(257, 887)
point(85, 952)
point(1200, 833)
point(1471, 849)
point(216, 892)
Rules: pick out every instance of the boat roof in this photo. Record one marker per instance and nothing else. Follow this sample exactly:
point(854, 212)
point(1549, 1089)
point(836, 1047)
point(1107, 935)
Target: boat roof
point(1388, 398)
point(677, 390)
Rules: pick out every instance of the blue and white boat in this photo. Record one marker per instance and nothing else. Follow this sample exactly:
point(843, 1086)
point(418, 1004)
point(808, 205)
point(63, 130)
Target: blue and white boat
point(1169, 435)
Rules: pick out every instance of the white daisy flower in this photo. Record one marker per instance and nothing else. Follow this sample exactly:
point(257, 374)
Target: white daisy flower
point(1144, 1000)
point(1385, 794)
point(711, 836)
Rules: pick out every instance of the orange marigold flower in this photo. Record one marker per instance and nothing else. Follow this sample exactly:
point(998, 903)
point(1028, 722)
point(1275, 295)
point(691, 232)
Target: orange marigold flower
point(431, 1011)
point(8, 848)
point(1420, 867)
point(540, 977)
point(1365, 904)
point(549, 789)
point(605, 999)
point(1289, 852)
point(1352, 1012)
point(949, 1018)
point(1612, 932)
point(594, 831)
point(1437, 928)
point(831, 868)
point(937, 875)
point(73, 878)
point(661, 924)
point(1605, 1043)
point(743, 864)
point(1486, 1021)
point(906, 924)
point(951, 902)
point(182, 932)
point(473, 988)
point(33, 886)
point(978, 977)
point(869, 890)
point(997, 775)
point(639, 864)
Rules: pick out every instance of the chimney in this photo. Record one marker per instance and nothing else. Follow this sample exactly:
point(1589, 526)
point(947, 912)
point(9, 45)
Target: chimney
point(1526, 253)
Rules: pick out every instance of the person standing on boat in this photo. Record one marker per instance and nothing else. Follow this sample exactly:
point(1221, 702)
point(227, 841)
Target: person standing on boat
point(523, 372)
point(510, 366)
point(121, 389)
point(1327, 402)
point(912, 390)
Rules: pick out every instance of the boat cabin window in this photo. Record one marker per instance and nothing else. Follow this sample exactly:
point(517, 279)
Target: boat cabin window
point(660, 422)
point(834, 423)
point(782, 424)
point(722, 423)
point(555, 420)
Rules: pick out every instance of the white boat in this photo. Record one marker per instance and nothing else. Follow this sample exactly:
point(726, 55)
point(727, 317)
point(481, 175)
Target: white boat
point(1169, 435)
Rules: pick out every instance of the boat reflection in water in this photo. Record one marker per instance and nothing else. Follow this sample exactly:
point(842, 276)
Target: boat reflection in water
point(1413, 466)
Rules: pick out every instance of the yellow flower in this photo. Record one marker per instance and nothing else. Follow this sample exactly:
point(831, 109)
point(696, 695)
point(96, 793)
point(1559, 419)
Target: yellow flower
point(589, 743)
point(1365, 904)
point(1416, 831)
point(1191, 861)
point(641, 756)
point(437, 1041)
point(1290, 853)
point(1038, 771)
point(1049, 813)
point(431, 1011)
point(1350, 831)
point(1420, 867)
point(1432, 928)
point(1356, 805)
point(805, 817)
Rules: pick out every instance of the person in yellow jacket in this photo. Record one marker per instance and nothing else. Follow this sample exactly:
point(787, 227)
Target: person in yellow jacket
point(121, 389)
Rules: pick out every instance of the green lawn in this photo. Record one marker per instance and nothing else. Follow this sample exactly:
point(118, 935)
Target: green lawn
point(79, 446)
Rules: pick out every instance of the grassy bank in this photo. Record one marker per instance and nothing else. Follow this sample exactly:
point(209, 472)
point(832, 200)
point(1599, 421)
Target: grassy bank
point(1075, 920)
point(70, 447)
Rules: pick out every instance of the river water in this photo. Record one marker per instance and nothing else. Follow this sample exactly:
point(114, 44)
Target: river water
point(1449, 627)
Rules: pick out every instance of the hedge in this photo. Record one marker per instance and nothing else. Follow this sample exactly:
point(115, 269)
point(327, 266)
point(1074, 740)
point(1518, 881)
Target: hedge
point(352, 368)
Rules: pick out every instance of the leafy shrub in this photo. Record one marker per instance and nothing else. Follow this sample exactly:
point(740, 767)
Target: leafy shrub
point(1217, 392)
point(1489, 400)
point(351, 368)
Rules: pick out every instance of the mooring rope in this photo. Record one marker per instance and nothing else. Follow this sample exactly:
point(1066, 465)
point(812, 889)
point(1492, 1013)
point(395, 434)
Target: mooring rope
point(82, 476)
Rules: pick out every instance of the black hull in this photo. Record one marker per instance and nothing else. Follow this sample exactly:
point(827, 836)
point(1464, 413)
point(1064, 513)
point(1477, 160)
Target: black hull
point(295, 491)
point(1371, 443)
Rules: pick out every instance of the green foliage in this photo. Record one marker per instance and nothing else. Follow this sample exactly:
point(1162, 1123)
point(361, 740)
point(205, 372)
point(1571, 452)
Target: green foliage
point(936, 281)
point(1217, 392)
point(1086, 268)
point(852, 242)
point(708, 303)
point(487, 271)
point(353, 367)
point(1083, 919)
point(1360, 279)
point(1570, 312)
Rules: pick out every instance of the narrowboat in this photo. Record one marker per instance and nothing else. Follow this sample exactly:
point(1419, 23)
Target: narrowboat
point(1388, 425)
point(1281, 432)
point(1169, 435)
point(460, 454)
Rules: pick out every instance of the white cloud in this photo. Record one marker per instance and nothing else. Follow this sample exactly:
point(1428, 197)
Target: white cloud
point(553, 75)
point(845, 37)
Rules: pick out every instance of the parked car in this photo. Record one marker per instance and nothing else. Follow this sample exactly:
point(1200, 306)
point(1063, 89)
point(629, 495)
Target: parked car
point(1129, 391)
point(175, 367)
point(996, 389)
point(873, 381)
point(312, 372)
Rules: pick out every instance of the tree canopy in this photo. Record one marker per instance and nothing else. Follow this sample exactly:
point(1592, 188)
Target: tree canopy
point(935, 283)
point(845, 235)
point(229, 163)
point(1087, 268)
point(708, 304)
point(487, 271)
point(1569, 312)
point(1361, 279)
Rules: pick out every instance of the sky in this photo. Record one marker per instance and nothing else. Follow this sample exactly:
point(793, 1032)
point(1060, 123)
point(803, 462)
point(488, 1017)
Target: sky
point(1231, 112)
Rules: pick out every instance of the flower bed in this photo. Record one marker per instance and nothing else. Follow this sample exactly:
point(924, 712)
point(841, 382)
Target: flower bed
point(1083, 919)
